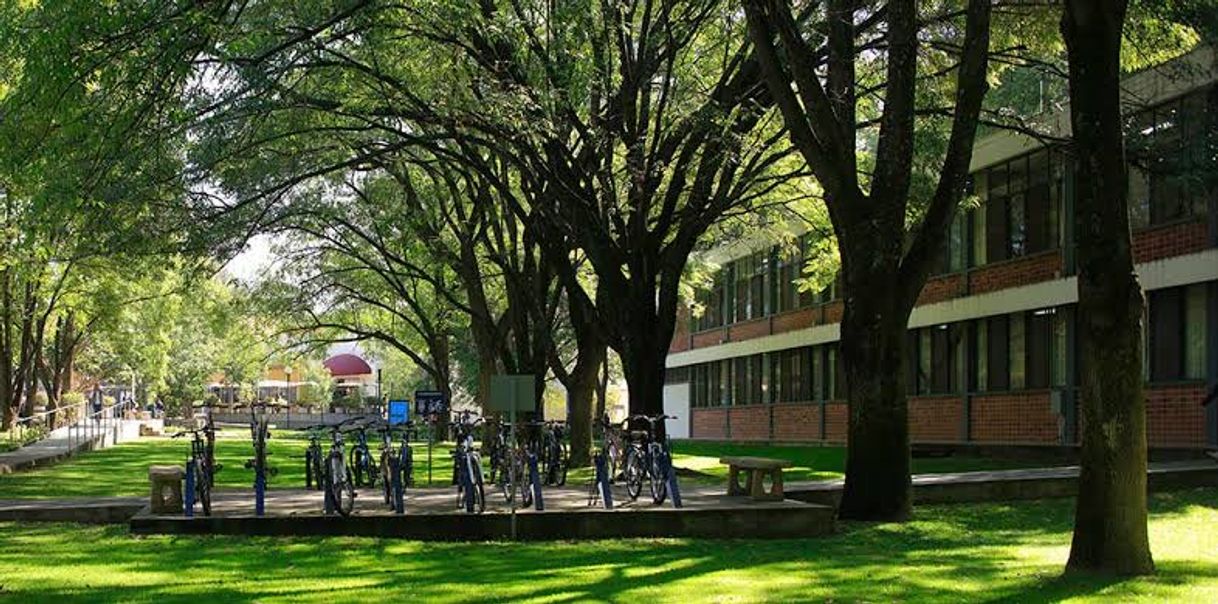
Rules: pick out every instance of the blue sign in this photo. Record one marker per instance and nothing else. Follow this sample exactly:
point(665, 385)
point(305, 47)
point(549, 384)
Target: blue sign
point(429, 402)
point(399, 412)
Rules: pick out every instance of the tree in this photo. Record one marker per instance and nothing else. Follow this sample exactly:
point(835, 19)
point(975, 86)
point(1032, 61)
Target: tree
point(1110, 531)
point(885, 263)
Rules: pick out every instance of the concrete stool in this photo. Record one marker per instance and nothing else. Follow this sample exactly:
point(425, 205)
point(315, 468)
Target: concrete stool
point(755, 469)
point(166, 489)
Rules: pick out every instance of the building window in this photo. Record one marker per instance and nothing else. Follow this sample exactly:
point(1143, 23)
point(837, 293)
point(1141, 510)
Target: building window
point(788, 270)
point(1038, 340)
point(1172, 159)
point(1178, 324)
point(997, 353)
point(1021, 206)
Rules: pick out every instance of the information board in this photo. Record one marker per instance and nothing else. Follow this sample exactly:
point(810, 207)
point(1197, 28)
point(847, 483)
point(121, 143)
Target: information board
point(512, 393)
point(429, 402)
point(399, 412)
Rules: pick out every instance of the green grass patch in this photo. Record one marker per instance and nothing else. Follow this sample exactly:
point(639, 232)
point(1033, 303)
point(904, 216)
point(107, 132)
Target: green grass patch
point(123, 470)
point(814, 462)
point(973, 553)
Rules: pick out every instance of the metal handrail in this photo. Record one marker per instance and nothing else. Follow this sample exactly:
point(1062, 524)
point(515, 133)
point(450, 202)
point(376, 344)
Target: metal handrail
point(22, 425)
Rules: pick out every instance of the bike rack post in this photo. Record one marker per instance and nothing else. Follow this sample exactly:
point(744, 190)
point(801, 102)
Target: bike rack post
point(399, 499)
point(602, 480)
point(188, 499)
point(535, 483)
point(259, 490)
point(673, 489)
point(327, 495)
point(467, 483)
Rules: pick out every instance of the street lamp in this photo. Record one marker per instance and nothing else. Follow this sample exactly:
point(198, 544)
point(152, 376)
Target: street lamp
point(287, 371)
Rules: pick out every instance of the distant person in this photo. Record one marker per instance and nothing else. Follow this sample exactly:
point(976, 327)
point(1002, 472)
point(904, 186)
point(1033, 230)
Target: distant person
point(158, 409)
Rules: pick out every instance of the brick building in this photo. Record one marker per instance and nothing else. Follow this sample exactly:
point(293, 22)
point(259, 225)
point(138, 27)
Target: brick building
point(991, 344)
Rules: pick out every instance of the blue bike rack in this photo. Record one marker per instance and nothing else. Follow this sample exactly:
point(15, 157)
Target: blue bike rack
point(535, 483)
point(259, 491)
point(602, 480)
point(399, 499)
point(467, 483)
point(673, 489)
point(327, 502)
point(188, 500)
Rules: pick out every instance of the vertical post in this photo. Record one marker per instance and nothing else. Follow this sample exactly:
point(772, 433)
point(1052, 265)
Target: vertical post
point(188, 497)
point(602, 480)
point(399, 499)
point(535, 483)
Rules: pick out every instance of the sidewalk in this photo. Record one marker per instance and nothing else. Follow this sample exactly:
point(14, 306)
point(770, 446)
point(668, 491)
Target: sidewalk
point(55, 446)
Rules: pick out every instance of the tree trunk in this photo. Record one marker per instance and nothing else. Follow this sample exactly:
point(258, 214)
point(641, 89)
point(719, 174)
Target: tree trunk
point(872, 350)
point(1110, 516)
point(582, 394)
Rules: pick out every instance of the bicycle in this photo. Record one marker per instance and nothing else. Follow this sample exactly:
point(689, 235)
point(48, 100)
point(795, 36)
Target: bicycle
point(259, 434)
point(511, 467)
point(397, 463)
point(647, 457)
point(467, 465)
point(314, 475)
point(201, 468)
point(613, 445)
point(554, 456)
point(361, 463)
point(339, 489)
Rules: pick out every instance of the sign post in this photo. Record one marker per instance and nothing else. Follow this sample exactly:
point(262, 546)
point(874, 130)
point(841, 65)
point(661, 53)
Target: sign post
point(430, 404)
point(510, 393)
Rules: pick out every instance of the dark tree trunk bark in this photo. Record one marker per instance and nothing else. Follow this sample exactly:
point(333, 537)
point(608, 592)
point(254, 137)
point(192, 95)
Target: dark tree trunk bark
point(582, 388)
point(874, 323)
point(1110, 532)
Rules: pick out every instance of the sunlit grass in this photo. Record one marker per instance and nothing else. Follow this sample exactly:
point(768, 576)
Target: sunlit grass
point(812, 462)
point(975, 553)
point(123, 470)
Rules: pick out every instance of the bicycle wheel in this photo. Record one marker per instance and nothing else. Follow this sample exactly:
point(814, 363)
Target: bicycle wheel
point(386, 481)
point(318, 473)
point(632, 472)
point(309, 470)
point(356, 475)
point(346, 498)
point(406, 466)
point(613, 460)
point(203, 492)
point(563, 463)
point(659, 478)
point(479, 492)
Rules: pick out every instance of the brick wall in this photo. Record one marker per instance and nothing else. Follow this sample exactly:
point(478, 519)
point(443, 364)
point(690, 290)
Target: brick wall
point(708, 423)
point(1024, 417)
point(935, 419)
point(710, 337)
point(680, 334)
point(797, 421)
point(794, 319)
point(749, 329)
point(837, 420)
point(832, 312)
point(750, 422)
point(943, 287)
point(1169, 240)
point(1174, 416)
point(1035, 268)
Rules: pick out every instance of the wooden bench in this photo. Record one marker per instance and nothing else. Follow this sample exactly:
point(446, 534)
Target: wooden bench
point(755, 470)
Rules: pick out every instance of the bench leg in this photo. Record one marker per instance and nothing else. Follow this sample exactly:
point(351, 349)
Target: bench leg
point(757, 485)
point(734, 487)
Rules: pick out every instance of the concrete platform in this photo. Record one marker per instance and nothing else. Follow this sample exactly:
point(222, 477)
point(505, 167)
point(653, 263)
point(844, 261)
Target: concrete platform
point(432, 514)
point(88, 510)
point(1008, 485)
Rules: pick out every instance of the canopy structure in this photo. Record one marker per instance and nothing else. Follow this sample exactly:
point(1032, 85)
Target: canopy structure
point(341, 365)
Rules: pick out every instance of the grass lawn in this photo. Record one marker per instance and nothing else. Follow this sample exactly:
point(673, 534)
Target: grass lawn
point(813, 463)
point(976, 553)
point(123, 470)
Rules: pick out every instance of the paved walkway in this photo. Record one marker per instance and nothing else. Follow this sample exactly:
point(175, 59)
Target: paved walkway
point(60, 444)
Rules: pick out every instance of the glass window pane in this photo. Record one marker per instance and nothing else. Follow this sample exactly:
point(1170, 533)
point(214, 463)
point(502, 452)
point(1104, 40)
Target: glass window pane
point(1018, 352)
point(1195, 329)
